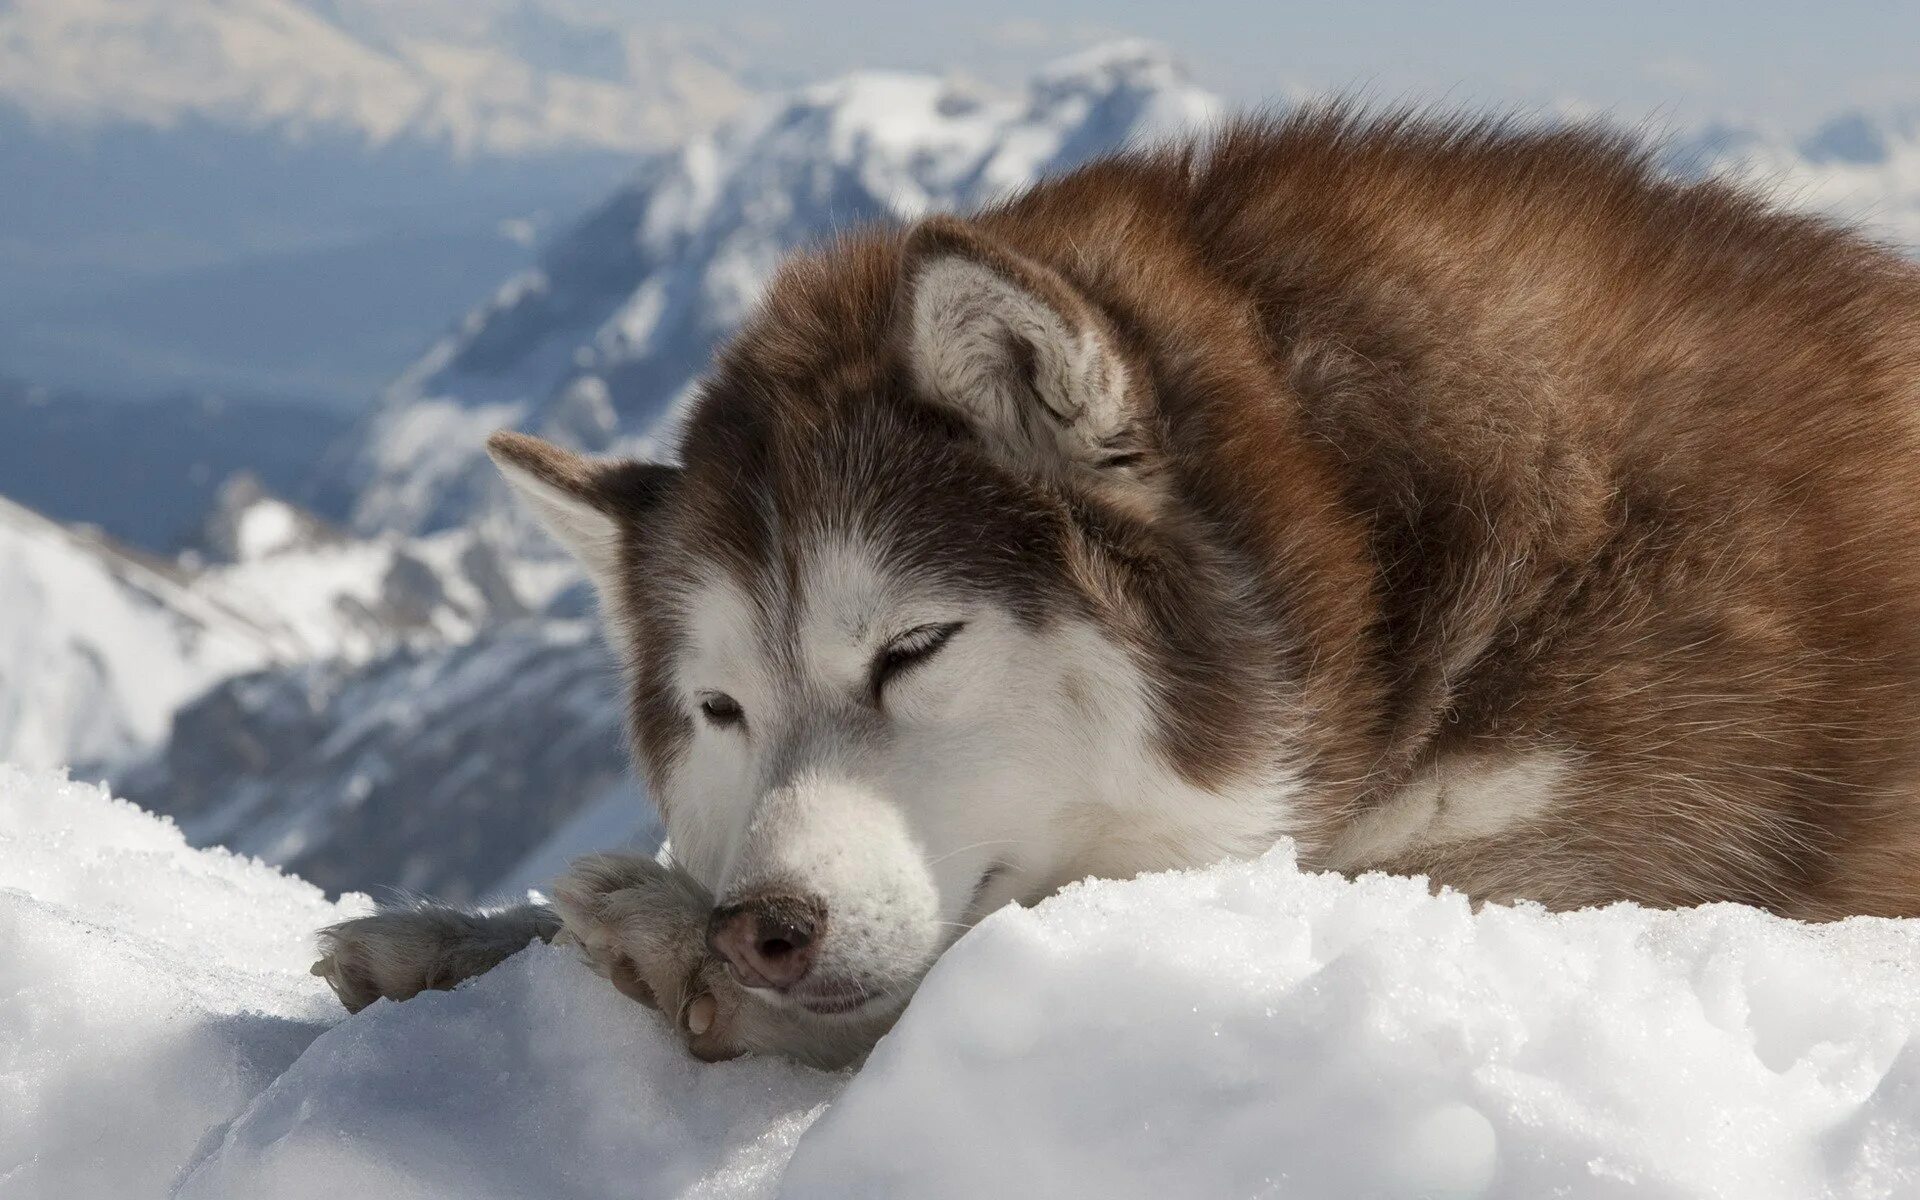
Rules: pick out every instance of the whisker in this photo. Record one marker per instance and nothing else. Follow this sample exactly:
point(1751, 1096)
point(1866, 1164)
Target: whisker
point(975, 846)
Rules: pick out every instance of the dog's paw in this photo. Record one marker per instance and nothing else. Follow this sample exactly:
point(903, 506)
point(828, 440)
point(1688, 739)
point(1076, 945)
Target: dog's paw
point(644, 927)
point(398, 954)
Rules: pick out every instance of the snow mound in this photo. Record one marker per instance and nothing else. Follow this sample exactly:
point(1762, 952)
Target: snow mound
point(535, 1080)
point(1252, 1030)
point(1248, 1030)
point(147, 991)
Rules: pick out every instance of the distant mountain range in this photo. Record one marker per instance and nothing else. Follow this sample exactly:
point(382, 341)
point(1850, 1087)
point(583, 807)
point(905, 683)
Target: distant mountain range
point(479, 77)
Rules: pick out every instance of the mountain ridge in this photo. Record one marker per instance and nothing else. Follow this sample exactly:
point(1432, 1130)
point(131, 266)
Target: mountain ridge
point(303, 68)
point(599, 342)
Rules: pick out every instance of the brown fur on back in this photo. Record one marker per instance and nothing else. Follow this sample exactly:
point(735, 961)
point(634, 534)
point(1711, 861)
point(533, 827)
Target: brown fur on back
point(1482, 442)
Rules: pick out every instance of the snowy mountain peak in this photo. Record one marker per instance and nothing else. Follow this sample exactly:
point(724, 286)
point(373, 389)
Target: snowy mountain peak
point(600, 342)
point(1123, 62)
point(248, 523)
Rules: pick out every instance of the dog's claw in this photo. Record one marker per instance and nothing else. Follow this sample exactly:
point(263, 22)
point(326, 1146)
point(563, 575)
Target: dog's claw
point(626, 977)
point(701, 1012)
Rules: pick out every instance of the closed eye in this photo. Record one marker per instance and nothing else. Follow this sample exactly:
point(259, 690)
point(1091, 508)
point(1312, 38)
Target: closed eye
point(721, 710)
point(910, 650)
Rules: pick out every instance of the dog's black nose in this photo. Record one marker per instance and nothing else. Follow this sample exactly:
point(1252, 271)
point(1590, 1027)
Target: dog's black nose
point(768, 941)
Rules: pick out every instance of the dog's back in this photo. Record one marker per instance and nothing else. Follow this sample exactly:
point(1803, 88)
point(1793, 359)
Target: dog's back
point(1635, 464)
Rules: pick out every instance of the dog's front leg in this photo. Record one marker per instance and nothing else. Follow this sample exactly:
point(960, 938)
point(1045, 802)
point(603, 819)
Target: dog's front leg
point(399, 953)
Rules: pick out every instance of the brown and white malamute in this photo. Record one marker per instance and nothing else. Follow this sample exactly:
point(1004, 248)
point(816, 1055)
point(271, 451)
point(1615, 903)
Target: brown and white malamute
point(1450, 498)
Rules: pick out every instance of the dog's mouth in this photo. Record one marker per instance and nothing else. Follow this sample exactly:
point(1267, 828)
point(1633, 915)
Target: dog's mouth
point(834, 1000)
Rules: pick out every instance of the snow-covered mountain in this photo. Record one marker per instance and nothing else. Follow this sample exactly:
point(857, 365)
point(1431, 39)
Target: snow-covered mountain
point(598, 342)
point(453, 770)
point(98, 646)
point(481, 77)
point(101, 645)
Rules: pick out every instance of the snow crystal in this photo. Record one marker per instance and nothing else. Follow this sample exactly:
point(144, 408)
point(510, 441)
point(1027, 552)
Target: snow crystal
point(1248, 1030)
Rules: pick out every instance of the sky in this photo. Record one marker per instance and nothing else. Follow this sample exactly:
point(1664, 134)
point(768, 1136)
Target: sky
point(1772, 60)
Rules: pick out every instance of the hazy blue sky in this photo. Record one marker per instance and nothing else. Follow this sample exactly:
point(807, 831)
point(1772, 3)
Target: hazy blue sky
point(1765, 58)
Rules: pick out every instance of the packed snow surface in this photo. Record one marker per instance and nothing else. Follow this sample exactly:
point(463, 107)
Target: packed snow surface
point(1249, 1030)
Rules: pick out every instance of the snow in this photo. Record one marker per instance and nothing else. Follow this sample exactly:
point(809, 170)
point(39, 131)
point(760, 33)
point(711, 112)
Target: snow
point(1248, 1030)
point(267, 528)
point(147, 991)
point(1252, 1030)
point(538, 1080)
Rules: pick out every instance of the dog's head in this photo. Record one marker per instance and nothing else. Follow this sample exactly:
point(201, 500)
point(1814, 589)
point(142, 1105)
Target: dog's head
point(886, 673)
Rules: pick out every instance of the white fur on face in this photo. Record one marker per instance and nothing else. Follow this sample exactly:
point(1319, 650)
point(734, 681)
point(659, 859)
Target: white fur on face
point(723, 653)
point(1010, 762)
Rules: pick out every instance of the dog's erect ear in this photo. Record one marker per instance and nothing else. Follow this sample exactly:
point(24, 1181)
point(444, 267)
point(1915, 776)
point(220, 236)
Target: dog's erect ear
point(1023, 357)
point(583, 501)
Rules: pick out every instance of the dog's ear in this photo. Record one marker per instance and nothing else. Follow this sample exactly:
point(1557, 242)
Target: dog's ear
point(1029, 362)
point(583, 501)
